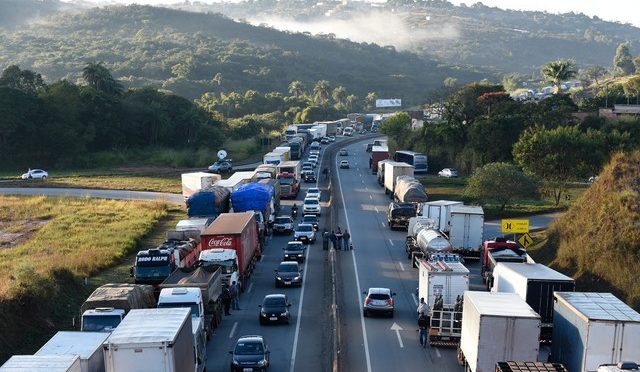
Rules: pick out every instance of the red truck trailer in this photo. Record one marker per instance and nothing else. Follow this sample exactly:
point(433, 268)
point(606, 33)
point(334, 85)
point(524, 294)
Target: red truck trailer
point(234, 234)
point(377, 153)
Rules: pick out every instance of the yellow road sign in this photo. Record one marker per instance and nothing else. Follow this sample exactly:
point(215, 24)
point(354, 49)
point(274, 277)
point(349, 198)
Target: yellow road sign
point(525, 240)
point(515, 226)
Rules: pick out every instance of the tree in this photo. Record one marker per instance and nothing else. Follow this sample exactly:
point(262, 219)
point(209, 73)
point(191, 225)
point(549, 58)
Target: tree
point(462, 107)
point(100, 78)
point(297, 88)
point(397, 127)
point(636, 64)
point(351, 101)
point(339, 94)
point(321, 91)
point(501, 183)
point(622, 62)
point(512, 82)
point(595, 72)
point(217, 79)
point(24, 80)
point(370, 100)
point(558, 156)
point(632, 88)
point(555, 72)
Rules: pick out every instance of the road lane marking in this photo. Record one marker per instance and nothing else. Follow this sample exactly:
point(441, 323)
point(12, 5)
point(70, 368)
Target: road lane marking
point(251, 285)
point(401, 266)
point(438, 352)
point(299, 315)
point(397, 328)
point(390, 241)
point(233, 329)
point(370, 196)
point(382, 223)
point(376, 208)
point(415, 298)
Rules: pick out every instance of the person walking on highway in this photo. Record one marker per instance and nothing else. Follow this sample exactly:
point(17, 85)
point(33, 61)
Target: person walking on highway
point(234, 292)
point(333, 239)
point(339, 236)
point(423, 327)
point(226, 300)
point(346, 239)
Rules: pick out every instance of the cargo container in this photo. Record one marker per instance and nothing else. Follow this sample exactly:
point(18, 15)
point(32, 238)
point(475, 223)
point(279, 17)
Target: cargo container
point(440, 212)
point(152, 340)
point(448, 280)
point(108, 304)
point(591, 329)
point(285, 150)
point(195, 223)
point(497, 327)
point(209, 202)
point(274, 158)
point(409, 190)
point(377, 153)
point(529, 367)
point(380, 172)
point(256, 197)
point(265, 171)
point(86, 345)
point(196, 181)
point(466, 229)
point(42, 363)
point(392, 170)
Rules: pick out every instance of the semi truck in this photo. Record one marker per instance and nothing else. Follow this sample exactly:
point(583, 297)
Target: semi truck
point(205, 278)
point(392, 170)
point(296, 144)
point(209, 202)
point(152, 340)
point(236, 180)
point(377, 153)
point(466, 229)
point(256, 197)
point(440, 212)
point(180, 250)
point(534, 283)
point(86, 345)
point(422, 240)
point(409, 190)
point(107, 305)
point(274, 158)
point(232, 240)
point(194, 223)
point(285, 150)
point(381, 171)
point(275, 185)
point(265, 171)
point(196, 181)
point(499, 250)
point(42, 363)
point(497, 327)
point(591, 329)
point(289, 178)
point(291, 131)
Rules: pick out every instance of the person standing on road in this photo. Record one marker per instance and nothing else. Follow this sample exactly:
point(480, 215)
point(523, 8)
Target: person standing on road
point(333, 239)
point(325, 240)
point(226, 300)
point(234, 293)
point(423, 308)
point(345, 239)
point(339, 236)
point(423, 327)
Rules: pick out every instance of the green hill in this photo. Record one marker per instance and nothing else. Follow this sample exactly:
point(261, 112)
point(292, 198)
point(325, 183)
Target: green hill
point(183, 51)
point(598, 240)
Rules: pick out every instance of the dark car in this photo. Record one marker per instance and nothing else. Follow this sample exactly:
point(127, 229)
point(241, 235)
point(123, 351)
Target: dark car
point(311, 219)
point(288, 274)
point(399, 214)
point(274, 308)
point(250, 354)
point(294, 251)
point(309, 176)
point(221, 166)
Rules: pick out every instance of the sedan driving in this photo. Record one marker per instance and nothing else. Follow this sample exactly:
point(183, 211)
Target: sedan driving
point(250, 354)
point(288, 274)
point(448, 172)
point(294, 251)
point(274, 309)
point(37, 174)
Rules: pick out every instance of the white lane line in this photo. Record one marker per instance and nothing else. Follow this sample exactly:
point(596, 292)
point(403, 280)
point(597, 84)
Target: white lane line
point(401, 266)
point(366, 189)
point(415, 298)
point(299, 315)
point(376, 208)
point(382, 223)
point(438, 352)
point(370, 197)
point(390, 241)
point(250, 287)
point(233, 329)
point(355, 269)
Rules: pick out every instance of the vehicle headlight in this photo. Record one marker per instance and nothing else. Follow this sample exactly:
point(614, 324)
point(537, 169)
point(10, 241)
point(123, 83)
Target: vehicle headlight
point(262, 363)
point(283, 314)
point(235, 362)
point(279, 278)
point(297, 277)
point(300, 255)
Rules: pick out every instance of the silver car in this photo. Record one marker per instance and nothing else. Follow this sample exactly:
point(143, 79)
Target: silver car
point(305, 233)
point(379, 301)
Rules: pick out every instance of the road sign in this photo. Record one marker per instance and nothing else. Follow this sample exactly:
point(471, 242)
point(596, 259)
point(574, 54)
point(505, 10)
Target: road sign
point(525, 240)
point(515, 226)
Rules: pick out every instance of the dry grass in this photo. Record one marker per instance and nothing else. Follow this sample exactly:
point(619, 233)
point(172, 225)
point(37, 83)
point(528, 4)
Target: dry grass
point(78, 236)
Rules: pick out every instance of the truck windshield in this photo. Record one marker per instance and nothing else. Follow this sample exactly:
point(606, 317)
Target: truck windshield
point(153, 271)
point(226, 267)
point(195, 310)
point(285, 181)
point(100, 323)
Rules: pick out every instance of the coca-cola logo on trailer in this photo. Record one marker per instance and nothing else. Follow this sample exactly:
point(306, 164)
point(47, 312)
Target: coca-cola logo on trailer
point(220, 242)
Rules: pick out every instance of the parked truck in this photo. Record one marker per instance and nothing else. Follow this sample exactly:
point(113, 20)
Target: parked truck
point(152, 340)
point(291, 131)
point(409, 190)
point(180, 250)
point(207, 279)
point(296, 144)
point(107, 305)
point(265, 171)
point(42, 363)
point(196, 181)
point(377, 153)
point(86, 345)
point(289, 178)
point(256, 197)
point(392, 170)
point(591, 329)
point(276, 194)
point(497, 327)
point(499, 250)
point(466, 229)
point(274, 158)
point(381, 171)
point(440, 212)
point(422, 241)
point(209, 202)
point(233, 241)
point(513, 366)
point(534, 283)
point(194, 223)
point(236, 180)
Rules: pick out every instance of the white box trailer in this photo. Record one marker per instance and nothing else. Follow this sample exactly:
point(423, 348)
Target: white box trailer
point(466, 229)
point(42, 363)
point(236, 180)
point(273, 157)
point(195, 181)
point(448, 279)
point(440, 212)
point(392, 170)
point(194, 223)
point(497, 327)
point(86, 345)
point(591, 329)
point(151, 340)
point(285, 150)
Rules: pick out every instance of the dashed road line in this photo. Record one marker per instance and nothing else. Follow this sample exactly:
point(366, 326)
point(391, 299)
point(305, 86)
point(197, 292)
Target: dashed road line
point(233, 329)
point(251, 285)
point(382, 223)
point(415, 298)
point(438, 352)
point(390, 241)
point(401, 266)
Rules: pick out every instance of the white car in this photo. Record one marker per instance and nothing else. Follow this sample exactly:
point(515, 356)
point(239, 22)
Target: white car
point(311, 206)
point(332, 138)
point(313, 157)
point(313, 192)
point(344, 164)
point(314, 152)
point(448, 172)
point(35, 174)
point(314, 162)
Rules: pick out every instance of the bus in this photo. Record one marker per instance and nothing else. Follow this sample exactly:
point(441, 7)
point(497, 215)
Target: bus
point(418, 160)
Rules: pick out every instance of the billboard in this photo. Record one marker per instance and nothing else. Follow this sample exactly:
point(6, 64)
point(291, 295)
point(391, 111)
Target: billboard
point(391, 102)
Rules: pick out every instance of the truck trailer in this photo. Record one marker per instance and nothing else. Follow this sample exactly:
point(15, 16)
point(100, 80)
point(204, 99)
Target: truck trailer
point(466, 230)
point(86, 345)
point(196, 181)
point(392, 170)
point(377, 153)
point(409, 190)
point(381, 170)
point(42, 363)
point(440, 212)
point(209, 202)
point(499, 250)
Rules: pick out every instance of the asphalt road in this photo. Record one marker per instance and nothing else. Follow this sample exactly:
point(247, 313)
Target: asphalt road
point(102, 194)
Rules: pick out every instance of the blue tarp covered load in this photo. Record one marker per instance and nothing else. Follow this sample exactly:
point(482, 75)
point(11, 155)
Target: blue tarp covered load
point(210, 201)
point(251, 197)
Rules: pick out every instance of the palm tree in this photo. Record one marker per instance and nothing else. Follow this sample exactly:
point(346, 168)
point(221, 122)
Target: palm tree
point(370, 100)
point(339, 94)
point(99, 77)
point(351, 101)
point(321, 91)
point(297, 88)
point(555, 72)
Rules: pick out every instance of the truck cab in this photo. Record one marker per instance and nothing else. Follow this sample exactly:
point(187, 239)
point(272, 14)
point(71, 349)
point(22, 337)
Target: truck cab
point(102, 319)
point(288, 185)
point(152, 266)
point(499, 250)
point(226, 259)
point(190, 298)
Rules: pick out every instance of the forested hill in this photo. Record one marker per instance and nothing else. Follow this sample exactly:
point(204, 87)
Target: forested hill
point(15, 13)
point(184, 51)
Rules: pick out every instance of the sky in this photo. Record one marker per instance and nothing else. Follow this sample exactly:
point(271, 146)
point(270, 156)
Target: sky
point(611, 10)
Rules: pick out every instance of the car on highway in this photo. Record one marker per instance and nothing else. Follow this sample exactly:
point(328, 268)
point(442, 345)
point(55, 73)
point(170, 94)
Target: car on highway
point(314, 152)
point(344, 164)
point(448, 172)
point(313, 192)
point(35, 174)
point(305, 232)
point(378, 301)
point(311, 219)
point(313, 157)
point(250, 353)
point(294, 251)
point(307, 167)
point(283, 225)
point(364, 131)
point(307, 163)
point(275, 309)
point(343, 152)
point(221, 166)
point(311, 206)
point(314, 162)
point(332, 138)
point(288, 274)
point(309, 176)
point(324, 140)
